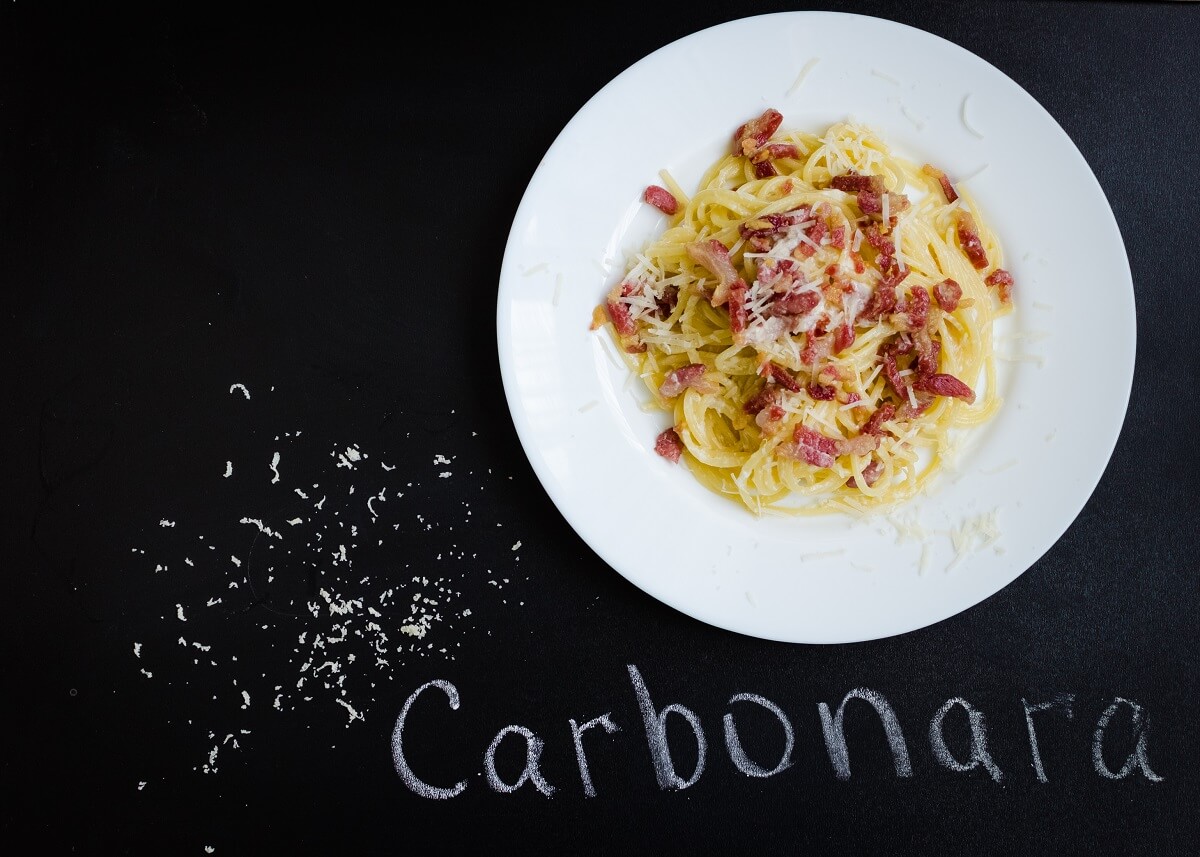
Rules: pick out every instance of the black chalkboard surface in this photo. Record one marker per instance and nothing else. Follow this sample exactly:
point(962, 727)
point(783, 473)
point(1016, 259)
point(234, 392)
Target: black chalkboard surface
point(282, 581)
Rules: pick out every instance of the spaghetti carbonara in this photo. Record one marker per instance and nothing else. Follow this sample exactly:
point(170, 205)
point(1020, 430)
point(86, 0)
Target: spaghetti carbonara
point(816, 318)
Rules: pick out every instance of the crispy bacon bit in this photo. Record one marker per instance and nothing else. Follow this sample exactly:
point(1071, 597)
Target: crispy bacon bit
point(908, 412)
point(765, 170)
point(822, 392)
point(859, 265)
point(968, 237)
point(941, 384)
point(914, 311)
point(892, 372)
point(817, 347)
point(770, 418)
point(874, 425)
point(870, 474)
point(678, 380)
point(795, 303)
point(666, 303)
point(843, 337)
point(860, 444)
point(754, 134)
point(837, 237)
point(870, 202)
point(928, 350)
point(737, 309)
point(948, 294)
point(774, 151)
point(714, 256)
point(814, 447)
point(779, 375)
point(622, 319)
point(853, 182)
point(947, 188)
point(769, 225)
point(1003, 281)
point(764, 398)
point(661, 198)
point(669, 445)
point(883, 299)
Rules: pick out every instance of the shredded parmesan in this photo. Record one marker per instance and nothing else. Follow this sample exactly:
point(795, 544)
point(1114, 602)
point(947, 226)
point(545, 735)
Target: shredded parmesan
point(963, 116)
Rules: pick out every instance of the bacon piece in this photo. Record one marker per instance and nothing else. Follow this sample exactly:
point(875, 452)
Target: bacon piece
point(622, 319)
point(814, 447)
point(753, 135)
point(669, 445)
point(870, 202)
point(860, 444)
point(914, 311)
point(948, 294)
point(817, 347)
point(774, 151)
point(764, 398)
point(796, 303)
point(822, 392)
point(883, 299)
point(892, 372)
point(870, 474)
point(909, 412)
point(874, 425)
point(968, 237)
point(661, 198)
point(941, 384)
point(737, 309)
point(853, 182)
point(773, 224)
point(666, 304)
point(947, 188)
point(1003, 281)
point(837, 237)
point(928, 349)
point(843, 337)
point(779, 375)
point(765, 170)
point(769, 419)
point(859, 265)
point(714, 256)
point(680, 379)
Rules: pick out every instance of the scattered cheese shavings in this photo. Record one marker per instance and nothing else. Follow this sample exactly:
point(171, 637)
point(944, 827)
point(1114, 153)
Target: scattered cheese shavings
point(275, 467)
point(241, 387)
point(228, 469)
point(808, 66)
point(963, 116)
point(881, 75)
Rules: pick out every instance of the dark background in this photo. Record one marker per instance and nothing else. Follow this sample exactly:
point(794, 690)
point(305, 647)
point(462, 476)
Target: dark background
point(315, 206)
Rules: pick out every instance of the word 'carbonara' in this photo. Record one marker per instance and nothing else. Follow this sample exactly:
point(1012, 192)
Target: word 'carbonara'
point(816, 317)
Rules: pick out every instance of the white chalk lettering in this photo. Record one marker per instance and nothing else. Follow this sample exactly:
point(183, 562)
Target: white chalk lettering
point(1138, 759)
point(979, 750)
point(734, 745)
point(1061, 700)
point(531, 773)
point(656, 736)
point(577, 733)
point(401, 764)
point(835, 737)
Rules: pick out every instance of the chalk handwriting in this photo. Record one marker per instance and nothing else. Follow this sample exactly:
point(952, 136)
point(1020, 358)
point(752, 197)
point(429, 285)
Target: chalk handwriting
point(577, 731)
point(656, 736)
point(406, 774)
point(835, 738)
point(734, 745)
point(531, 773)
point(979, 749)
point(1138, 758)
point(654, 721)
point(1063, 701)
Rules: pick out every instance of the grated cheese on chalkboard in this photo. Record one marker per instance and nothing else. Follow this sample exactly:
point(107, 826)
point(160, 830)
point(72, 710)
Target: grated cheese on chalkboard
point(326, 578)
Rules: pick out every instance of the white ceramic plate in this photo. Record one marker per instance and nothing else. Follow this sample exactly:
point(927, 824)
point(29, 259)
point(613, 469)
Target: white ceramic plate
point(1067, 352)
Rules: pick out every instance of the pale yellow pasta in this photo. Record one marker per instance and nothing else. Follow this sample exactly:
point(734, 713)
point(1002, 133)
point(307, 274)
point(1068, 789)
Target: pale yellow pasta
point(669, 297)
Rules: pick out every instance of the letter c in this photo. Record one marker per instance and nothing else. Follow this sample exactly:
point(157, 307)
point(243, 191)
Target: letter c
point(401, 764)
